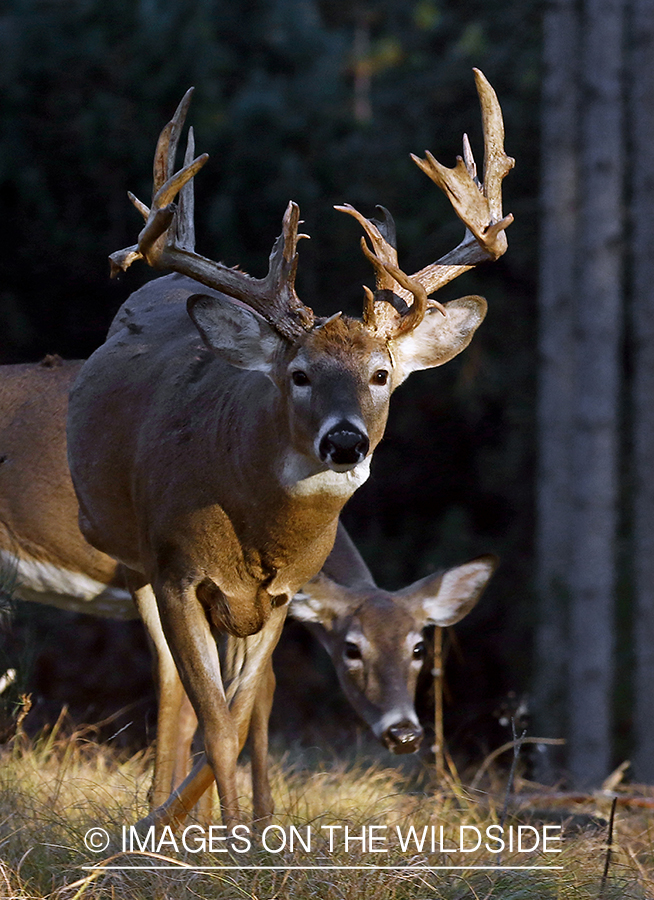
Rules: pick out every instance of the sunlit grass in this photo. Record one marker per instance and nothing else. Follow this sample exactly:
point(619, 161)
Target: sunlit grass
point(53, 791)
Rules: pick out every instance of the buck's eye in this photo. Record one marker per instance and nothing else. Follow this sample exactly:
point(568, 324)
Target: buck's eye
point(380, 377)
point(300, 378)
point(352, 651)
point(419, 651)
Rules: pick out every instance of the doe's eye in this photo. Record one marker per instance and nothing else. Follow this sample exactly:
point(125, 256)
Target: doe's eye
point(380, 377)
point(352, 651)
point(300, 378)
point(419, 650)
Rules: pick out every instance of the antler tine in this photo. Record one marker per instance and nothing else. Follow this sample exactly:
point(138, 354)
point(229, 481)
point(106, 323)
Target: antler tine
point(167, 184)
point(142, 208)
point(496, 163)
point(185, 219)
point(276, 298)
point(416, 312)
point(164, 157)
point(153, 237)
point(469, 160)
point(284, 252)
point(383, 279)
point(384, 251)
point(469, 204)
point(369, 317)
point(377, 314)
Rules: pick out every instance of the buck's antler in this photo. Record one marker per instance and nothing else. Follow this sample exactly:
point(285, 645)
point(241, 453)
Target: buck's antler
point(479, 206)
point(168, 237)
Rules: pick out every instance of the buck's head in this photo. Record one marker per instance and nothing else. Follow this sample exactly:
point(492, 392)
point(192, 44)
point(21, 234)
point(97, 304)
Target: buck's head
point(375, 639)
point(336, 375)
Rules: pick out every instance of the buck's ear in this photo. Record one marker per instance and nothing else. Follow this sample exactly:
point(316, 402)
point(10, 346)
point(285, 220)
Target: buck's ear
point(447, 597)
point(439, 338)
point(321, 601)
point(238, 334)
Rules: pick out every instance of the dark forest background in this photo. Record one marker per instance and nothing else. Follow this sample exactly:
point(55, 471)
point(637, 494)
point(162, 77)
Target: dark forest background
point(322, 101)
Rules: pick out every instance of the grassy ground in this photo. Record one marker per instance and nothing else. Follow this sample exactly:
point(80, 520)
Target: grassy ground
point(52, 792)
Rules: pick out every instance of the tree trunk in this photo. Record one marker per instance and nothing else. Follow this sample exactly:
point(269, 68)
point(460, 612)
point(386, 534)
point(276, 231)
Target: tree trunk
point(579, 390)
point(559, 176)
point(642, 334)
point(595, 428)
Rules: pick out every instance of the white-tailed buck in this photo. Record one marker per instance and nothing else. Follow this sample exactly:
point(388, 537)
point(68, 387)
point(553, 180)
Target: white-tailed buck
point(374, 637)
point(215, 436)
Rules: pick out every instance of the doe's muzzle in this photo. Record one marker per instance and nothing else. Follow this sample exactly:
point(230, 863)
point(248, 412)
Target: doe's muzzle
point(403, 737)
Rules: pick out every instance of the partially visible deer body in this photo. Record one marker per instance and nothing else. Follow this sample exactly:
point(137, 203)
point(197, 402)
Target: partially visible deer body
point(373, 636)
point(213, 443)
point(40, 540)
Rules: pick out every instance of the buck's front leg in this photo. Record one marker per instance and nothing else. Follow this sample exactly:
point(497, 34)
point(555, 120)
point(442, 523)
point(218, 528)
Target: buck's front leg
point(196, 656)
point(254, 657)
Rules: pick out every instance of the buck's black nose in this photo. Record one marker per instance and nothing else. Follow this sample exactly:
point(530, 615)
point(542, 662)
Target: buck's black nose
point(344, 445)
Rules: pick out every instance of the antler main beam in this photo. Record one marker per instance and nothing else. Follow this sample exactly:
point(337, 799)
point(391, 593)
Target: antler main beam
point(167, 239)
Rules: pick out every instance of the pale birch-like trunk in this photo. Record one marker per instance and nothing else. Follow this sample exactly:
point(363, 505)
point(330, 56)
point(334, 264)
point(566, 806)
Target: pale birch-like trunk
point(559, 176)
point(596, 410)
point(642, 335)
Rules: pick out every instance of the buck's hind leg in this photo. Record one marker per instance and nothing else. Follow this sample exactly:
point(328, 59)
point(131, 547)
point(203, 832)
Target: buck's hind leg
point(262, 801)
point(170, 695)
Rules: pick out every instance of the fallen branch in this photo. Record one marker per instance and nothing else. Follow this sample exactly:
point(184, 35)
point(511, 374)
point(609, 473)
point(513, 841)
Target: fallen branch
point(567, 797)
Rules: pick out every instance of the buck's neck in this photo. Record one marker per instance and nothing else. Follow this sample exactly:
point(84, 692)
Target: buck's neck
point(269, 490)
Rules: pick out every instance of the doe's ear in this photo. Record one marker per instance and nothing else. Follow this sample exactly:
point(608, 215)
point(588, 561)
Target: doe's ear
point(447, 597)
point(439, 338)
point(238, 334)
point(321, 601)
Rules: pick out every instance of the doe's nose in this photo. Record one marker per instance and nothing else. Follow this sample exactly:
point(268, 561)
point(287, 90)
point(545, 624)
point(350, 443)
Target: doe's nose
point(344, 445)
point(403, 737)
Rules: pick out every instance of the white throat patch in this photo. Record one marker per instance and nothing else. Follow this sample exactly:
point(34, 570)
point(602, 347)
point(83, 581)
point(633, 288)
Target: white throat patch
point(300, 479)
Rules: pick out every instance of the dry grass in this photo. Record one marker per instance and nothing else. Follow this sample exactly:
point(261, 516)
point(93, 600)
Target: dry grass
point(53, 791)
